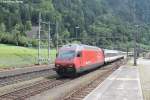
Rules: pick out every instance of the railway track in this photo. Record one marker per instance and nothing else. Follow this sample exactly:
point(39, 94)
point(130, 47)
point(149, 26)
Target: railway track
point(33, 89)
point(81, 92)
point(24, 77)
point(47, 84)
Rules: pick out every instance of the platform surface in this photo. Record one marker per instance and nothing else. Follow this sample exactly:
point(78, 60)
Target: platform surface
point(144, 68)
point(123, 84)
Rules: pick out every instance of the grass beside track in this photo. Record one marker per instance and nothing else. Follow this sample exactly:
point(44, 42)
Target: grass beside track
point(15, 56)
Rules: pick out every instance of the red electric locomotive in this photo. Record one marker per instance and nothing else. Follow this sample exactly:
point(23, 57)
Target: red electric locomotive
point(76, 58)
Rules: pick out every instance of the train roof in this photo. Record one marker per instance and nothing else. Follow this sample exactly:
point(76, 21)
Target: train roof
point(112, 51)
point(78, 46)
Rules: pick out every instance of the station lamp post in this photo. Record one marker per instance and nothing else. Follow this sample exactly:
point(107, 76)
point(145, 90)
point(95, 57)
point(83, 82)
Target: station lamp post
point(135, 50)
point(135, 45)
point(135, 33)
point(77, 28)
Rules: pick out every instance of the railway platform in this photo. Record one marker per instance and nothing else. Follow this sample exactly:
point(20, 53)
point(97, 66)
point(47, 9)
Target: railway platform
point(123, 84)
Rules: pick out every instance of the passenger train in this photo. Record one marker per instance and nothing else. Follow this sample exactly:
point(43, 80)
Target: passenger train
point(77, 58)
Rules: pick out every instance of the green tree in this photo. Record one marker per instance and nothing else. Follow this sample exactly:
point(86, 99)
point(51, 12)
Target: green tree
point(2, 27)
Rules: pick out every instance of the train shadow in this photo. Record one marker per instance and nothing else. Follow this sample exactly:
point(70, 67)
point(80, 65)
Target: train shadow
point(102, 67)
point(78, 75)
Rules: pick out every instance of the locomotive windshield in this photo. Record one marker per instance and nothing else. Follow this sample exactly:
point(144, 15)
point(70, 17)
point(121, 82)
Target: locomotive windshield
point(66, 54)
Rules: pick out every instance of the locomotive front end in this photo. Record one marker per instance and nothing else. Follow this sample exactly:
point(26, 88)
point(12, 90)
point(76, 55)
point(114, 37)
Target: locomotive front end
point(64, 63)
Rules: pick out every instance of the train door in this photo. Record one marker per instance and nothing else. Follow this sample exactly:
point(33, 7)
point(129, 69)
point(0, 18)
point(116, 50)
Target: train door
point(79, 55)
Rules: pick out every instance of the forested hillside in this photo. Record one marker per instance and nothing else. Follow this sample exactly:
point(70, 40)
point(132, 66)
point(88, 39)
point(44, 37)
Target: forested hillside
point(106, 23)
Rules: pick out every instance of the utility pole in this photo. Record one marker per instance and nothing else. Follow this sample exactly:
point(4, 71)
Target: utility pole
point(42, 24)
point(49, 41)
point(39, 39)
point(57, 36)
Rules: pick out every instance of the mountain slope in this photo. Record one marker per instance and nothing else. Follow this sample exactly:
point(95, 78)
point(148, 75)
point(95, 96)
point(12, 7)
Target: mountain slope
point(102, 22)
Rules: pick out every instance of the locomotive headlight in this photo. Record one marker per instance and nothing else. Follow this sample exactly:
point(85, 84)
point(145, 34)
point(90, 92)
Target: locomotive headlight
point(57, 65)
point(70, 65)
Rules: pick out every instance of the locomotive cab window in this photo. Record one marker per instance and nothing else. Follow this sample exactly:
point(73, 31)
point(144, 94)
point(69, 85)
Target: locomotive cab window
point(66, 54)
